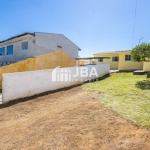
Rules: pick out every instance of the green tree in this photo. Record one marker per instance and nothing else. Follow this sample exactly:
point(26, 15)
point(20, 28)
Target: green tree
point(141, 52)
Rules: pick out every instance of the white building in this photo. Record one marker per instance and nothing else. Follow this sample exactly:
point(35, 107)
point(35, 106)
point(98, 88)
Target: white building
point(29, 45)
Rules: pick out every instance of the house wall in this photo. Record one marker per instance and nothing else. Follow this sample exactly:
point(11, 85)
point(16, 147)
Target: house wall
point(121, 64)
point(46, 42)
point(113, 64)
point(146, 66)
point(25, 84)
point(41, 43)
point(18, 53)
point(128, 65)
point(46, 61)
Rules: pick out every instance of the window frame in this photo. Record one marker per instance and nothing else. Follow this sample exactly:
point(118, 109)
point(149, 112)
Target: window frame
point(4, 51)
point(12, 49)
point(115, 60)
point(25, 45)
point(100, 60)
point(129, 56)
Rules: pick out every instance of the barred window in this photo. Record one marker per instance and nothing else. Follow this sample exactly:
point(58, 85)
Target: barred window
point(127, 57)
point(116, 58)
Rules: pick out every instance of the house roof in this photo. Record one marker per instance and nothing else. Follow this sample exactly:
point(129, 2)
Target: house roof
point(33, 34)
point(113, 52)
point(23, 34)
point(85, 58)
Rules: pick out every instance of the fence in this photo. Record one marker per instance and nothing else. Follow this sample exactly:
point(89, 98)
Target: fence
point(45, 61)
point(26, 84)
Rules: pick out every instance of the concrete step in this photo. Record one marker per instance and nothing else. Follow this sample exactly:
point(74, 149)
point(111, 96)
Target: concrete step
point(139, 72)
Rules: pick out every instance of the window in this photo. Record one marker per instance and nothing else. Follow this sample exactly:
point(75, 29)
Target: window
point(24, 45)
point(127, 57)
point(2, 51)
point(59, 46)
point(116, 58)
point(10, 50)
point(100, 59)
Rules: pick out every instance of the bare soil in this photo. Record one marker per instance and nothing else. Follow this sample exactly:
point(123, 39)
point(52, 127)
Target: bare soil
point(67, 120)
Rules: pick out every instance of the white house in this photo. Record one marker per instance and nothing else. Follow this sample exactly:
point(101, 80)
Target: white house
point(29, 45)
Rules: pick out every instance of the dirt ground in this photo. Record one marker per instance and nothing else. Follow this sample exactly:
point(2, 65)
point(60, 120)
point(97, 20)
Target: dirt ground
point(67, 120)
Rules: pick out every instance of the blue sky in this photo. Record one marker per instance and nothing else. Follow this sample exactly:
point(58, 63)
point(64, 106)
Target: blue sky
point(94, 25)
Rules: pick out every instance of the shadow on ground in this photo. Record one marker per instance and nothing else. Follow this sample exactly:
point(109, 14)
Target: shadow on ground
point(143, 85)
point(105, 76)
point(20, 100)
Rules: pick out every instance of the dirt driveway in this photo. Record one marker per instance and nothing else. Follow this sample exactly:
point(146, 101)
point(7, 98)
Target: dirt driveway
point(67, 120)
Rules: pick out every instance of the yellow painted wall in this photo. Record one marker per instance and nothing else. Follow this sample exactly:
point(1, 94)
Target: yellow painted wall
point(128, 65)
point(121, 64)
point(113, 65)
point(146, 66)
point(46, 61)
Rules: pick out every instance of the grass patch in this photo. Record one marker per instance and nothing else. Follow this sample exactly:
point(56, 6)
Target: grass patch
point(127, 94)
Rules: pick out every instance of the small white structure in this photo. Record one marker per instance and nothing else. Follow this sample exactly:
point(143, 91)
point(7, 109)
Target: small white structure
point(29, 45)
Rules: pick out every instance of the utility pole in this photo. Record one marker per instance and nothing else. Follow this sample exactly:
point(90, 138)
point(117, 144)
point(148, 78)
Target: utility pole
point(140, 40)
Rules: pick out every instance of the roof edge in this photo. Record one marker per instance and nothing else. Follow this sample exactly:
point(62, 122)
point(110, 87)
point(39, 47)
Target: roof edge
point(19, 35)
point(113, 52)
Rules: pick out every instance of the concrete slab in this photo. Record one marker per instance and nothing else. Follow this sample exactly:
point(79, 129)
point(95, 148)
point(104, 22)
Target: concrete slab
point(113, 71)
point(139, 72)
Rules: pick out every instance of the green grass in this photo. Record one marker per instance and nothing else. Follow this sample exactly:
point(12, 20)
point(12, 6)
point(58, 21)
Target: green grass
point(127, 94)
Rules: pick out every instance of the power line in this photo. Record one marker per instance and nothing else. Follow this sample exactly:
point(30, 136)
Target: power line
point(134, 22)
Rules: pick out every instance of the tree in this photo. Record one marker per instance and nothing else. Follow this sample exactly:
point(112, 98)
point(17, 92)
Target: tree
point(141, 52)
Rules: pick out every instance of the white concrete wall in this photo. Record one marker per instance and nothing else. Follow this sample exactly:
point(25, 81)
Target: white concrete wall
point(47, 42)
point(25, 84)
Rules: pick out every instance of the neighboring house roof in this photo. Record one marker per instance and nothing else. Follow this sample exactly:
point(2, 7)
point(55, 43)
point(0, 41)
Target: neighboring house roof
point(113, 52)
point(23, 34)
point(33, 34)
